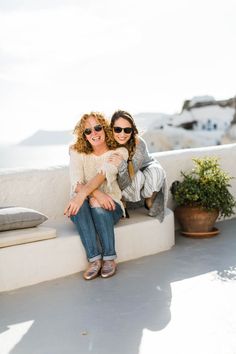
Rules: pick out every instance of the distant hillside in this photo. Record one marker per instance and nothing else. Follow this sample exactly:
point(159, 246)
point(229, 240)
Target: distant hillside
point(47, 137)
point(203, 120)
point(146, 119)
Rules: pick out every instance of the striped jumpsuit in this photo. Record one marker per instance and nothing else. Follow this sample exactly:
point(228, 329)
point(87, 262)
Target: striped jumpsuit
point(149, 177)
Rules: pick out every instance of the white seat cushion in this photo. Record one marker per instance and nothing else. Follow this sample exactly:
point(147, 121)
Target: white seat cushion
point(17, 237)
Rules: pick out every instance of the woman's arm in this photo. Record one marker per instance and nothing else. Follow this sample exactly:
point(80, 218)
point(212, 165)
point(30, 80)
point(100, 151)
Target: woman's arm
point(99, 199)
point(84, 191)
point(124, 179)
point(79, 189)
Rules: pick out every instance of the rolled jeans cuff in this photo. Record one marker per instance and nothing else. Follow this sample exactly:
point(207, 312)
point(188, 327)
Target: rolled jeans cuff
point(93, 259)
point(109, 258)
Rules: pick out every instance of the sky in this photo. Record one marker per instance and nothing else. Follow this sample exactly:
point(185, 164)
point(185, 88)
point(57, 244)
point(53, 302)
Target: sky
point(60, 59)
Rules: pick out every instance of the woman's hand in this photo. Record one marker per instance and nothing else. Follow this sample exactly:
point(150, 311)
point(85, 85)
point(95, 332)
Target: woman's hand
point(115, 159)
point(75, 204)
point(103, 200)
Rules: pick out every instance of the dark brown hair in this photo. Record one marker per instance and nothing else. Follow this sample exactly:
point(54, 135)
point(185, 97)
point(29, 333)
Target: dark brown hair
point(131, 143)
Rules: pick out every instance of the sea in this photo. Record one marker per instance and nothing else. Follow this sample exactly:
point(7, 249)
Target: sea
point(32, 156)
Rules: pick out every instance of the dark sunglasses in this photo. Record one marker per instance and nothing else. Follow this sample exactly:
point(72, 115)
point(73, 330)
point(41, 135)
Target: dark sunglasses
point(96, 128)
point(127, 130)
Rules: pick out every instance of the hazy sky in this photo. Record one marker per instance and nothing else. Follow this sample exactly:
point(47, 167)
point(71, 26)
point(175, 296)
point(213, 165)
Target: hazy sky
point(59, 59)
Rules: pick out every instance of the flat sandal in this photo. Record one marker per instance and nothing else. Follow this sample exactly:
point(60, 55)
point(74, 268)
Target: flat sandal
point(93, 270)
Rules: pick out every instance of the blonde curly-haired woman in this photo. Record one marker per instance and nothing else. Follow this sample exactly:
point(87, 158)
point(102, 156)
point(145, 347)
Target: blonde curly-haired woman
point(95, 205)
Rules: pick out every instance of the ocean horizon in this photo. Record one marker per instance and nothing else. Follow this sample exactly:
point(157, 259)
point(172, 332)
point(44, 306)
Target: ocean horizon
point(28, 156)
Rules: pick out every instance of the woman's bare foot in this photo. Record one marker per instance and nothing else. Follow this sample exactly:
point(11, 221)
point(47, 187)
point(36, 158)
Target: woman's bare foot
point(149, 201)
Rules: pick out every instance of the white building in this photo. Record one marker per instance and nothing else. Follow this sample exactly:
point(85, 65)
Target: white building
point(207, 125)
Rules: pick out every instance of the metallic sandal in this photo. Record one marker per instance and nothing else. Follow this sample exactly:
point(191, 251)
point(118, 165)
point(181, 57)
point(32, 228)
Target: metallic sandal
point(93, 270)
point(108, 269)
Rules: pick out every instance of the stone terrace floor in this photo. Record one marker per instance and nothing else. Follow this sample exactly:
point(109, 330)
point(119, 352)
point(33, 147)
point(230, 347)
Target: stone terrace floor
point(181, 301)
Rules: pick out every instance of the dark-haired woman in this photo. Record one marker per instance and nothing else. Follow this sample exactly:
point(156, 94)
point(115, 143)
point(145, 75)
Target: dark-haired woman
point(140, 177)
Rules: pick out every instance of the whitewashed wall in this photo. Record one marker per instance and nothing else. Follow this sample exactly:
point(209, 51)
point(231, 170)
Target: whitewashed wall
point(47, 190)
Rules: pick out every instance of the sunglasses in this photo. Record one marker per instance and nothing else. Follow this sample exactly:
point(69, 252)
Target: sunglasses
point(96, 128)
point(127, 130)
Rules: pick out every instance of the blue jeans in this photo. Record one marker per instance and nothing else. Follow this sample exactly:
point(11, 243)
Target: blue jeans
point(96, 229)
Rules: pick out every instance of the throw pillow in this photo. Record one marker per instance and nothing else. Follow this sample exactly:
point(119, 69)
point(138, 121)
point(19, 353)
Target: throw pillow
point(12, 218)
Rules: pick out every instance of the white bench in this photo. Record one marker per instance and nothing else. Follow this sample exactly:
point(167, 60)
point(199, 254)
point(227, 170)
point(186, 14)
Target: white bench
point(47, 191)
point(34, 262)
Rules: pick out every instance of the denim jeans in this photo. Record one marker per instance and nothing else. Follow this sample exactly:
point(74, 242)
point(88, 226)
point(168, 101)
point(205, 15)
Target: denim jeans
point(96, 229)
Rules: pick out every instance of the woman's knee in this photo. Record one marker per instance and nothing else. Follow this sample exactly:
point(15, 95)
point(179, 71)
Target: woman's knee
point(109, 215)
point(98, 210)
point(154, 173)
point(93, 203)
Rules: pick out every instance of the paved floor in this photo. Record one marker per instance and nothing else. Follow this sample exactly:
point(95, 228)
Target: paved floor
point(182, 301)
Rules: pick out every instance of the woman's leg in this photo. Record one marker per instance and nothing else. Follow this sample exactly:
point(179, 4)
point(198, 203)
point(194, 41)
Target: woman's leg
point(154, 177)
point(85, 225)
point(132, 192)
point(154, 190)
point(104, 221)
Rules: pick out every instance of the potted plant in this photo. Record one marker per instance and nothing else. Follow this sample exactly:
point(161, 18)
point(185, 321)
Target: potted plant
point(202, 196)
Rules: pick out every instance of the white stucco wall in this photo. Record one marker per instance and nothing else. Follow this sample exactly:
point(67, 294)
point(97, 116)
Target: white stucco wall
point(47, 190)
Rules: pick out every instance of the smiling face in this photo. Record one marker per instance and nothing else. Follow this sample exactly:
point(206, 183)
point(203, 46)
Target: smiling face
point(122, 138)
point(97, 135)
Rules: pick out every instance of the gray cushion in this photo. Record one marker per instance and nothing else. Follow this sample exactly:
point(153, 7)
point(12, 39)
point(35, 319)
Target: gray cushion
point(12, 218)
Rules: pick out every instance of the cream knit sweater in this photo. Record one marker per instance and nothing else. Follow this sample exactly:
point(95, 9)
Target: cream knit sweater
point(83, 167)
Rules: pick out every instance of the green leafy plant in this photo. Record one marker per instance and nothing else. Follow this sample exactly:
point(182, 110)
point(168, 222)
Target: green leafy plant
point(206, 186)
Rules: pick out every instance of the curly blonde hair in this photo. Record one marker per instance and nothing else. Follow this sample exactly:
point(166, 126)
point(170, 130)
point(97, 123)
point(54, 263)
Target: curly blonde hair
point(82, 145)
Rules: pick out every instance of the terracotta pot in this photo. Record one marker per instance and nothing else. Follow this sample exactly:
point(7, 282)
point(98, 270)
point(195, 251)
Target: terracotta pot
point(195, 219)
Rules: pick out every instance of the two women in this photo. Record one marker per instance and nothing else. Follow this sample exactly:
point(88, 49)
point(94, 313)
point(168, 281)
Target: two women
point(103, 161)
point(95, 205)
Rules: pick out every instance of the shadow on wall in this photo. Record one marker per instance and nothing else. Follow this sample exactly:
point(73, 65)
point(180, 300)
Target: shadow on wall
point(109, 315)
